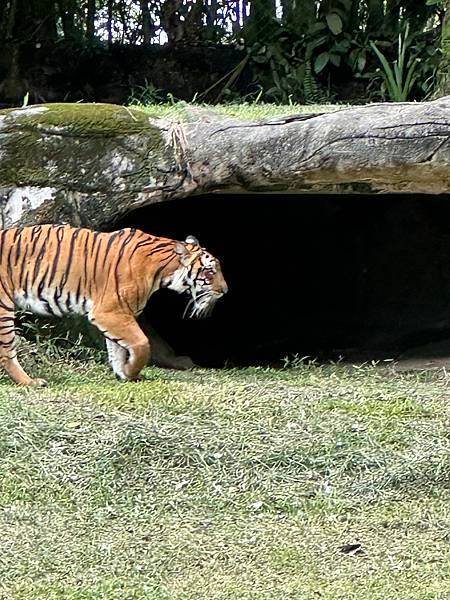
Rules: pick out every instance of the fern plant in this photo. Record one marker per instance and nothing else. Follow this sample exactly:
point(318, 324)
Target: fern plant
point(313, 90)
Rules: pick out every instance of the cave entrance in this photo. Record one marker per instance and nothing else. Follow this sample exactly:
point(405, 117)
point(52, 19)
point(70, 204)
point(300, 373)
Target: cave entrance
point(320, 276)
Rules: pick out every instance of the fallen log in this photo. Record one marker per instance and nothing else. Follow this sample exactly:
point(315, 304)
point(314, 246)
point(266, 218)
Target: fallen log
point(90, 164)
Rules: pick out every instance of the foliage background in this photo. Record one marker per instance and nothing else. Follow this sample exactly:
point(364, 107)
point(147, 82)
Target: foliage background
point(283, 50)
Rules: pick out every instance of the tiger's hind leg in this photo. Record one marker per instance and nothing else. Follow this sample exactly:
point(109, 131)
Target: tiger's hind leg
point(163, 355)
point(122, 330)
point(8, 356)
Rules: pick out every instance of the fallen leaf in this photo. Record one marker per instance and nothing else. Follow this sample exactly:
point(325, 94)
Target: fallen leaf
point(351, 549)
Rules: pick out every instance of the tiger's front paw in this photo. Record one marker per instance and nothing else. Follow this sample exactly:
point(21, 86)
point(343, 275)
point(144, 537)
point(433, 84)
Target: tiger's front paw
point(125, 379)
point(38, 382)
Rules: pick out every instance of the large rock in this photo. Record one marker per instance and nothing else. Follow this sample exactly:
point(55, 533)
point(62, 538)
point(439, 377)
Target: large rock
point(90, 164)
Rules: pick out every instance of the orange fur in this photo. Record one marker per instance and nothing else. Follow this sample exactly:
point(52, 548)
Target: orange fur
point(108, 277)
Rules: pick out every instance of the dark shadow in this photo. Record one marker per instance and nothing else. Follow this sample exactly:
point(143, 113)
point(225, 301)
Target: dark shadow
point(323, 276)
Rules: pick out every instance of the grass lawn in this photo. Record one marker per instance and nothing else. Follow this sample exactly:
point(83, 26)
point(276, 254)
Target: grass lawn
point(233, 484)
point(243, 111)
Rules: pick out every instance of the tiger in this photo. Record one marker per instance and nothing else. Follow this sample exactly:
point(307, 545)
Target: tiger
point(106, 277)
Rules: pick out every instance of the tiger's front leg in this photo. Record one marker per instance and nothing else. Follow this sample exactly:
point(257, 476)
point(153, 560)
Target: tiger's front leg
point(8, 357)
point(117, 357)
point(122, 330)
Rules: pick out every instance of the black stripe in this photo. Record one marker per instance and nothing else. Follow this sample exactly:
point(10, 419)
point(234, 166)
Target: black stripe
point(17, 233)
point(18, 249)
point(9, 308)
point(6, 290)
point(141, 245)
point(75, 234)
point(59, 240)
point(163, 253)
point(85, 266)
point(40, 255)
point(94, 276)
point(23, 265)
point(11, 329)
point(41, 285)
point(112, 237)
point(94, 241)
point(57, 298)
point(78, 292)
point(37, 231)
point(8, 263)
point(2, 239)
point(120, 256)
point(6, 343)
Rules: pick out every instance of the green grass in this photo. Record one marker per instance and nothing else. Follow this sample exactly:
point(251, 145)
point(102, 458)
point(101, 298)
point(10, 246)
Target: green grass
point(233, 484)
point(240, 111)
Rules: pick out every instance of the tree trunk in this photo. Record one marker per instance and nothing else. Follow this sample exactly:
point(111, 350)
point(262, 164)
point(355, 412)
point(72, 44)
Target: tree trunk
point(13, 85)
point(67, 14)
point(90, 20)
point(211, 13)
point(109, 24)
point(260, 23)
point(31, 20)
point(170, 19)
point(9, 18)
point(146, 23)
point(193, 28)
point(92, 164)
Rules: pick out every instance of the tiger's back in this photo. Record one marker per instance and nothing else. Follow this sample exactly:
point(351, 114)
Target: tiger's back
point(57, 270)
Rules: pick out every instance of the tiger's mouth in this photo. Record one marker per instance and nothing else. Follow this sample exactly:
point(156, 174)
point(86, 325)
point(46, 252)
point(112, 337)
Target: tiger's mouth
point(201, 306)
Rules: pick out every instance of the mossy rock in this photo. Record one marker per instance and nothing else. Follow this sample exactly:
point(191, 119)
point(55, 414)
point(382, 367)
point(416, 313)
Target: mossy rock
point(77, 163)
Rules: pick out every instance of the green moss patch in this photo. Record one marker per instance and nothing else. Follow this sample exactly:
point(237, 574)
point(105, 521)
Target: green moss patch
point(105, 120)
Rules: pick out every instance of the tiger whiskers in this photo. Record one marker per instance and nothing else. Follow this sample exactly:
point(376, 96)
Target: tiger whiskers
point(188, 308)
point(201, 306)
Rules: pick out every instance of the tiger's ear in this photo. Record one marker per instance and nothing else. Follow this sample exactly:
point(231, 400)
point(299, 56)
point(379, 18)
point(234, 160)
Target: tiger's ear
point(185, 256)
point(181, 249)
point(192, 240)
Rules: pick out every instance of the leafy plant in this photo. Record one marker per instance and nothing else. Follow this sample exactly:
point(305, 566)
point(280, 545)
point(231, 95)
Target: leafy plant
point(400, 77)
point(327, 42)
point(279, 68)
point(284, 66)
point(428, 58)
point(144, 95)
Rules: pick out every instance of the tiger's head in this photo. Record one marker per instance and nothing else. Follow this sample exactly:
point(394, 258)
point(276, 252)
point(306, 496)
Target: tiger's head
point(200, 275)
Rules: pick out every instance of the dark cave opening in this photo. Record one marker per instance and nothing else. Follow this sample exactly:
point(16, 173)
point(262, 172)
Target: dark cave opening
point(324, 276)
